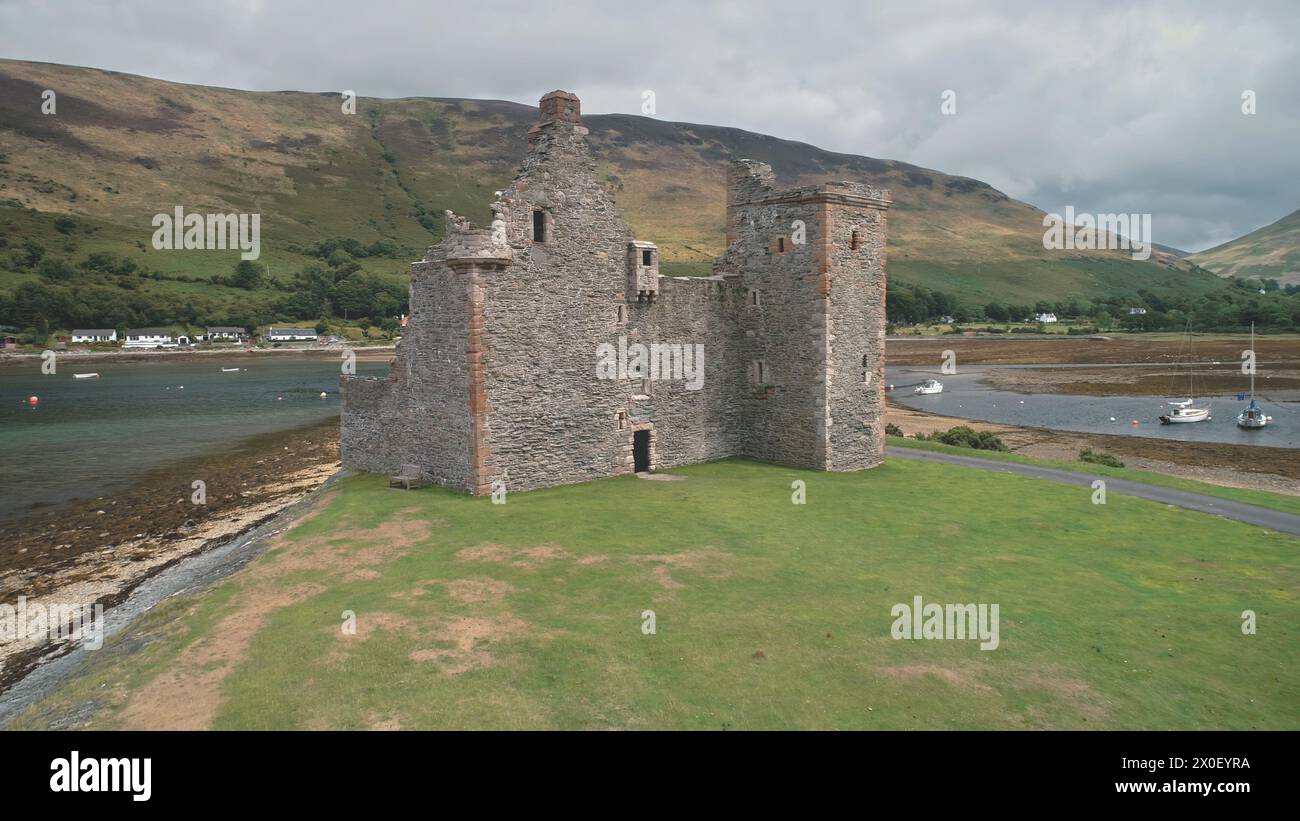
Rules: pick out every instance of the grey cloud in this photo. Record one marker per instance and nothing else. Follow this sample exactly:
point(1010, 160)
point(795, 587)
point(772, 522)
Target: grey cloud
point(1109, 106)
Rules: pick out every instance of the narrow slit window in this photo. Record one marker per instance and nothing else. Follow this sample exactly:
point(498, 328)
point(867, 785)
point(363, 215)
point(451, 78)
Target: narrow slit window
point(622, 420)
point(620, 314)
point(539, 226)
point(780, 245)
point(754, 298)
point(853, 240)
point(646, 258)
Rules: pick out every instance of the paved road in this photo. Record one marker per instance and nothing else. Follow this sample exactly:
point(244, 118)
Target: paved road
point(1241, 512)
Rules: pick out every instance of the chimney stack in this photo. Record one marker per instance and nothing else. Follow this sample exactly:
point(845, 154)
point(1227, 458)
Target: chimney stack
point(557, 107)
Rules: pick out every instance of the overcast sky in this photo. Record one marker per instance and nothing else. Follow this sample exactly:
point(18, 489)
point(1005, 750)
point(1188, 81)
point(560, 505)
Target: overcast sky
point(1123, 106)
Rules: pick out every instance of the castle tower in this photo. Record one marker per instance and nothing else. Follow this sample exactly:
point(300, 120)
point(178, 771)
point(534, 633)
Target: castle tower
point(811, 261)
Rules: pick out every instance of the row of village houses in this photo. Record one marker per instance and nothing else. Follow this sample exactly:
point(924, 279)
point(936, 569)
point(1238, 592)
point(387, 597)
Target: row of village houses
point(164, 338)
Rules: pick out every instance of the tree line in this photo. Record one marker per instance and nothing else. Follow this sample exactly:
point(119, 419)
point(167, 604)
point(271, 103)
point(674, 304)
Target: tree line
point(1266, 303)
point(104, 290)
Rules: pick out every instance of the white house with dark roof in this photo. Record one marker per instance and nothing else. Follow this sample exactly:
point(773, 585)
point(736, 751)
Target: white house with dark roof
point(149, 338)
point(89, 335)
point(291, 335)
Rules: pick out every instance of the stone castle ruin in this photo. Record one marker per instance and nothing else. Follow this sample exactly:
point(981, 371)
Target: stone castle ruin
point(522, 361)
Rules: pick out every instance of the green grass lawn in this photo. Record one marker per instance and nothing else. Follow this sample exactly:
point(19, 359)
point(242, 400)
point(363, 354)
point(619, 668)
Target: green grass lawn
point(768, 614)
point(1263, 498)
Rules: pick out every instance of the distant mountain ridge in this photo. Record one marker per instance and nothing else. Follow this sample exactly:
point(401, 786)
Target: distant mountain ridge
point(1271, 252)
point(122, 148)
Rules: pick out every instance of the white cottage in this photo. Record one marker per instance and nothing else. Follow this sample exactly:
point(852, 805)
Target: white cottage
point(92, 335)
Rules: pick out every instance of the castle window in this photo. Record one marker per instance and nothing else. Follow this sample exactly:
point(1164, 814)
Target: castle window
point(539, 225)
point(780, 245)
point(754, 299)
point(621, 419)
point(759, 372)
point(853, 240)
point(620, 314)
point(646, 257)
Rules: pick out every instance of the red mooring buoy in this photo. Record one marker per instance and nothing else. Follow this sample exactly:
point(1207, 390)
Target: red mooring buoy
point(32, 400)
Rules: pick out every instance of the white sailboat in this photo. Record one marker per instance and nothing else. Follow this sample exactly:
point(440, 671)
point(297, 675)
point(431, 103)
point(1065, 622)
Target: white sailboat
point(1186, 410)
point(1253, 416)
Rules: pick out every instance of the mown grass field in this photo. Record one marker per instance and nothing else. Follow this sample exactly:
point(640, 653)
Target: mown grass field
point(768, 614)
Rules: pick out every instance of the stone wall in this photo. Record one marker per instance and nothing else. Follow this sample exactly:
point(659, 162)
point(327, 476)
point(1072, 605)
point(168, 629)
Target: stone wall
point(497, 376)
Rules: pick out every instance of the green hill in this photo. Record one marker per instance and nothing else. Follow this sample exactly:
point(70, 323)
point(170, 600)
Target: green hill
point(122, 148)
point(1272, 252)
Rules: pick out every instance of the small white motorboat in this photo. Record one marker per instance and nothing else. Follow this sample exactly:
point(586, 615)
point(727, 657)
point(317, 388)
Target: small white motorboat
point(85, 375)
point(1184, 412)
point(229, 370)
point(929, 386)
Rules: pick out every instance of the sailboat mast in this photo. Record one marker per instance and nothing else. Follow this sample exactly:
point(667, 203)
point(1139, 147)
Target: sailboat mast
point(1253, 363)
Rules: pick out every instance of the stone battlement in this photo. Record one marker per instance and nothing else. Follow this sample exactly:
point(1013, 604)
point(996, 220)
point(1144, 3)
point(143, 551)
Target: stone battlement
point(467, 243)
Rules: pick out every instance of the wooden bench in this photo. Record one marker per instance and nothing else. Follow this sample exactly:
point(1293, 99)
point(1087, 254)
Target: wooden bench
point(408, 478)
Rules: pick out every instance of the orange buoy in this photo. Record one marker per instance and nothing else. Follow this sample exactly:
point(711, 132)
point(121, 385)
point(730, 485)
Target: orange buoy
point(32, 400)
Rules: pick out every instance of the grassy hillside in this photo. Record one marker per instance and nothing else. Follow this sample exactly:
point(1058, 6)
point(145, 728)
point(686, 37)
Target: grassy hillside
point(122, 148)
point(475, 615)
point(1272, 252)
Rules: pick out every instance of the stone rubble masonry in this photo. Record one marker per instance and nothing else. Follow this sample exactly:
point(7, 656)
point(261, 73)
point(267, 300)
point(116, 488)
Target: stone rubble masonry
point(495, 378)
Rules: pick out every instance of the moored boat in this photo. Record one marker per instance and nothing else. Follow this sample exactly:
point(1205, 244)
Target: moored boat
point(929, 386)
point(1253, 417)
point(1184, 412)
point(85, 375)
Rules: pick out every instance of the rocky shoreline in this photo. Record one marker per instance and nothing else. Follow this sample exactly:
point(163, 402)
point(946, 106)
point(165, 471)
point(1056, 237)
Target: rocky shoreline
point(97, 551)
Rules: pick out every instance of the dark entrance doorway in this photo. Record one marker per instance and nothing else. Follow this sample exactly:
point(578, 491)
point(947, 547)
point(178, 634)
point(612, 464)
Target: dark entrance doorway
point(641, 451)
